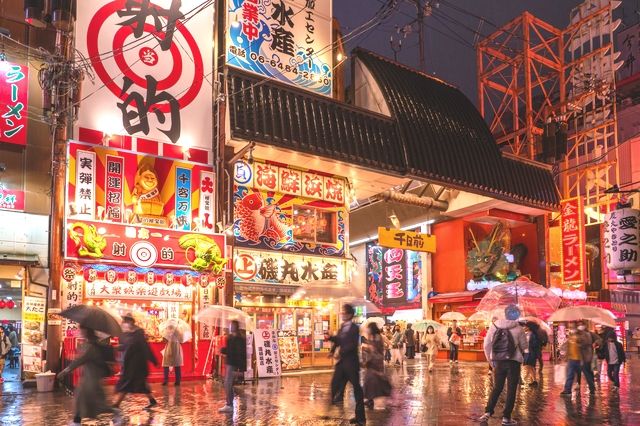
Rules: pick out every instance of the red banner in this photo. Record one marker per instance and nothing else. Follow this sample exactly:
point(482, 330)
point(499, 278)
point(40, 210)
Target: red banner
point(11, 200)
point(14, 100)
point(120, 244)
point(573, 251)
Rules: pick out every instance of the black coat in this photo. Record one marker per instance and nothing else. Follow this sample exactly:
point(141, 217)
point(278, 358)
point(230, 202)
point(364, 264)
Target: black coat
point(348, 341)
point(622, 358)
point(236, 351)
point(135, 368)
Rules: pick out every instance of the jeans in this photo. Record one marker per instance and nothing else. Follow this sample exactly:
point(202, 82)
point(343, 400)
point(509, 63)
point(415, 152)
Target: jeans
point(508, 371)
point(348, 371)
point(178, 372)
point(453, 352)
point(228, 383)
point(574, 367)
point(613, 371)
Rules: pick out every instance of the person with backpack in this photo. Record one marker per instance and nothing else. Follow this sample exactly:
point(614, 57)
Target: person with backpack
point(504, 345)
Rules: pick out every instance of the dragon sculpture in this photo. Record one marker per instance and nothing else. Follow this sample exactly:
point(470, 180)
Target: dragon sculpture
point(202, 253)
point(486, 260)
point(89, 243)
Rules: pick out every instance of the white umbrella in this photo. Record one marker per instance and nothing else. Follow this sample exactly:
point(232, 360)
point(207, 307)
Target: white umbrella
point(175, 328)
point(379, 321)
point(578, 313)
point(222, 316)
point(368, 306)
point(421, 326)
point(480, 316)
point(452, 316)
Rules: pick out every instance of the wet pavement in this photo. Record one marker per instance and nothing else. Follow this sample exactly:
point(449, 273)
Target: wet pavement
point(448, 396)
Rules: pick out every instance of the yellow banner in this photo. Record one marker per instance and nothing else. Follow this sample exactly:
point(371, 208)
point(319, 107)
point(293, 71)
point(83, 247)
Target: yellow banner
point(406, 240)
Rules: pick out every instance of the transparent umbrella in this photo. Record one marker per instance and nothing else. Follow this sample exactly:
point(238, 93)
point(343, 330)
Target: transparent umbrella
point(367, 305)
point(532, 299)
point(578, 313)
point(175, 328)
point(379, 321)
point(452, 316)
point(421, 326)
point(325, 289)
point(222, 316)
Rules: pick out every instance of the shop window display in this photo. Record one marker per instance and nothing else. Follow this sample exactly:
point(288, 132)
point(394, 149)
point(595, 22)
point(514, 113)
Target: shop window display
point(314, 225)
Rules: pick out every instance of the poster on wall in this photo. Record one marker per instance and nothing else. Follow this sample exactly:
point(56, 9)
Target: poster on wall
point(573, 252)
point(152, 62)
point(289, 352)
point(11, 199)
point(267, 353)
point(14, 102)
point(287, 40)
point(33, 315)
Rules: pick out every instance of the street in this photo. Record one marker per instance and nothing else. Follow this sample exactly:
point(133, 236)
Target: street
point(448, 396)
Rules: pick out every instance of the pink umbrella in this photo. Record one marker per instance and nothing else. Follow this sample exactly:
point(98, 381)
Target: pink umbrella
point(532, 299)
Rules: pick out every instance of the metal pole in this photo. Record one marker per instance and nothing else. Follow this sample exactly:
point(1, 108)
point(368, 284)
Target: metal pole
point(420, 18)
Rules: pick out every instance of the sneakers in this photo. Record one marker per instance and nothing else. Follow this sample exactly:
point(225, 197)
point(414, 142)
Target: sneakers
point(226, 409)
point(484, 418)
point(508, 421)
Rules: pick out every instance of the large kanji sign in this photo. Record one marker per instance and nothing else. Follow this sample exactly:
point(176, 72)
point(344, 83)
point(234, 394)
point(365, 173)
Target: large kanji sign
point(152, 76)
point(573, 251)
point(14, 102)
point(622, 239)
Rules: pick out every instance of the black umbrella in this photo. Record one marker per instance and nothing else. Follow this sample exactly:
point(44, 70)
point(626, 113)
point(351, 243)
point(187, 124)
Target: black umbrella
point(94, 318)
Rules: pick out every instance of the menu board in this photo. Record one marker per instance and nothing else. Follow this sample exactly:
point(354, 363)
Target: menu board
point(248, 374)
point(289, 352)
point(33, 314)
point(267, 353)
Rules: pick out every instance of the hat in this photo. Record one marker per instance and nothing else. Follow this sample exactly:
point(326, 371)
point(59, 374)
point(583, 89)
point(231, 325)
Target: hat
point(512, 312)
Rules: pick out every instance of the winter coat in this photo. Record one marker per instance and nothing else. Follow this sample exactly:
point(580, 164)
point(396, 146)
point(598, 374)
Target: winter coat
point(622, 358)
point(172, 356)
point(236, 351)
point(397, 340)
point(409, 337)
point(519, 339)
point(376, 382)
point(5, 345)
point(432, 341)
point(90, 400)
point(348, 340)
point(135, 368)
point(534, 349)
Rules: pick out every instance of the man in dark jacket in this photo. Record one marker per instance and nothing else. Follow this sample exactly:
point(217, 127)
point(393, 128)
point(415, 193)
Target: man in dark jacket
point(235, 360)
point(348, 366)
point(615, 356)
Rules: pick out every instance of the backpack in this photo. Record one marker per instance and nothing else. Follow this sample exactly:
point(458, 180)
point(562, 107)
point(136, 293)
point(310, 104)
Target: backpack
point(503, 346)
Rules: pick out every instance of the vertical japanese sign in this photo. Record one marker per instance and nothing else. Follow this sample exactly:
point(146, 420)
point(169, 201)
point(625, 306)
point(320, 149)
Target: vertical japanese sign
point(14, 85)
point(207, 201)
point(267, 353)
point(622, 239)
point(628, 44)
point(33, 314)
point(287, 40)
point(114, 191)
point(206, 298)
point(573, 252)
point(394, 276)
point(153, 79)
point(183, 198)
point(85, 184)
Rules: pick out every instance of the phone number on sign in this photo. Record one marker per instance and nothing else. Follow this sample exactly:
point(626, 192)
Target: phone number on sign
point(276, 64)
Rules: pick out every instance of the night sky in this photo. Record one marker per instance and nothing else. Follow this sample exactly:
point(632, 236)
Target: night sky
point(452, 57)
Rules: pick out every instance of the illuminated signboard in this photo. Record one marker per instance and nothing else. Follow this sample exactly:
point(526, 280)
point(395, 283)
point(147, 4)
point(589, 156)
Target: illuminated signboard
point(14, 102)
point(622, 239)
point(406, 240)
point(573, 252)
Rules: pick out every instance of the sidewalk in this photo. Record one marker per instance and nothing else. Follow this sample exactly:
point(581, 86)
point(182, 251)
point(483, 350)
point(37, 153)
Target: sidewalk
point(448, 396)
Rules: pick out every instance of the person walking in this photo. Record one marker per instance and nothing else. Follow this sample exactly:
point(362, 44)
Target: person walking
point(504, 345)
point(410, 339)
point(388, 337)
point(235, 353)
point(531, 354)
point(615, 356)
point(347, 368)
point(5, 348)
point(135, 363)
point(89, 397)
point(432, 341)
point(579, 356)
point(454, 334)
point(376, 383)
point(396, 346)
point(172, 356)
point(543, 340)
point(15, 347)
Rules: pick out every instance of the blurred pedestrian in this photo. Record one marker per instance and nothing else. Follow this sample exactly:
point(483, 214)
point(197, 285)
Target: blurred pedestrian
point(376, 383)
point(432, 341)
point(5, 349)
point(136, 355)
point(531, 354)
point(15, 347)
point(615, 356)
point(579, 355)
point(397, 343)
point(543, 340)
point(235, 361)
point(347, 369)
point(388, 335)
point(172, 356)
point(89, 397)
point(410, 339)
point(454, 334)
point(504, 345)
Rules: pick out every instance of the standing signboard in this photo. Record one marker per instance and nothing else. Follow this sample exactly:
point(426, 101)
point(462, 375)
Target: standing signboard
point(267, 353)
point(33, 314)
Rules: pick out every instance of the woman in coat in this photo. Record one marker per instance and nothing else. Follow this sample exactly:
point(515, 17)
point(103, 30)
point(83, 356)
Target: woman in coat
point(432, 341)
point(531, 354)
point(90, 400)
point(397, 342)
point(376, 383)
point(172, 356)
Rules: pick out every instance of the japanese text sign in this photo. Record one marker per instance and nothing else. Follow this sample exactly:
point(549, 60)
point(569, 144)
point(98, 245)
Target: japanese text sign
point(573, 252)
point(157, 82)
point(628, 44)
point(33, 314)
point(138, 291)
point(622, 239)
point(407, 240)
point(287, 40)
point(14, 102)
point(267, 353)
point(11, 200)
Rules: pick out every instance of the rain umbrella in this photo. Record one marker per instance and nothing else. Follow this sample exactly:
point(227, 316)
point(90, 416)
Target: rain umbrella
point(532, 299)
point(175, 325)
point(578, 313)
point(367, 305)
point(543, 325)
point(452, 316)
point(221, 316)
point(421, 326)
point(325, 289)
point(480, 316)
point(379, 321)
point(94, 318)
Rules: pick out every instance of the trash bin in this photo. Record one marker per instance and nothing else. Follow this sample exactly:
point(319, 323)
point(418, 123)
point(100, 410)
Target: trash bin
point(45, 381)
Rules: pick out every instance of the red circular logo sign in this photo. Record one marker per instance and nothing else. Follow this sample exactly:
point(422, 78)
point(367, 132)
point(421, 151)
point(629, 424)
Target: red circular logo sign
point(245, 267)
point(148, 56)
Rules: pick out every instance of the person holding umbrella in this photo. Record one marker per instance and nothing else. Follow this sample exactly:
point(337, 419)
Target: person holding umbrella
point(135, 369)
point(172, 354)
point(579, 356)
point(235, 360)
point(376, 384)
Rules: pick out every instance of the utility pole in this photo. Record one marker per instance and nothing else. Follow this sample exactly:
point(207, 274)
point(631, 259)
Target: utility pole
point(420, 9)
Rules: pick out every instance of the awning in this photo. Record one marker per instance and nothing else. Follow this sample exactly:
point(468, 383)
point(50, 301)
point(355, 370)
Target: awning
point(456, 297)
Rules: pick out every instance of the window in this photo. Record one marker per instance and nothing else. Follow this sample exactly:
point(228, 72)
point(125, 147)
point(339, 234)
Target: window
point(314, 225)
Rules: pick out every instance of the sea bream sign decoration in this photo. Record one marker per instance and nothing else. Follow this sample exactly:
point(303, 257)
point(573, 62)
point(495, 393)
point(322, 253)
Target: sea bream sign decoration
point(152, 78)
point(287, 40)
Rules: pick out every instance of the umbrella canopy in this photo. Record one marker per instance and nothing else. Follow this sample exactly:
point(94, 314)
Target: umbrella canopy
point(480, 316)
point(532, 299)
point(421, 326)
point(452, 316)
point(368, 306)
point(578, 313)
point(94, 318)
point(175, 328)
point(221, 316)
point(325, 289)
point(379, 321)
point(543, 325)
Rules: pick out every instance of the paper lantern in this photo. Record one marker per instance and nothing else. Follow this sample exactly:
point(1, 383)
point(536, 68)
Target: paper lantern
point(3, 304)
point(11, 304)
point(622, 239)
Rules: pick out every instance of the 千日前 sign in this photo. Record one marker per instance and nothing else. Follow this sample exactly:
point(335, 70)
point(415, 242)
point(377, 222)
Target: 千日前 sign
point(406, 240)
point(14, 102)
point(573, 253)
point(287, 40)
point(152, 60)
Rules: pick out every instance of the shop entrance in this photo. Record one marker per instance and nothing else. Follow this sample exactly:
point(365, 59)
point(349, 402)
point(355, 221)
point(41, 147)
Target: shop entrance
point(12, 278)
